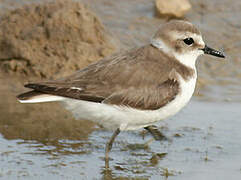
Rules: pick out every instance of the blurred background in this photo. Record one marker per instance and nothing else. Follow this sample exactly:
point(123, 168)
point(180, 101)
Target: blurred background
point(48, 39)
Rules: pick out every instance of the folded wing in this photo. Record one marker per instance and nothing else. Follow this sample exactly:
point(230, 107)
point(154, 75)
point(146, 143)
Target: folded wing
point(136, 79)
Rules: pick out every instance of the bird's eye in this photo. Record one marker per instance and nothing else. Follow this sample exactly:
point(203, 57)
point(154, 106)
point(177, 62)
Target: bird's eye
point(188, 41)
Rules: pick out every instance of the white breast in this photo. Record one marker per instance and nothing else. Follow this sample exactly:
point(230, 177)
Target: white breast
point(126, 118)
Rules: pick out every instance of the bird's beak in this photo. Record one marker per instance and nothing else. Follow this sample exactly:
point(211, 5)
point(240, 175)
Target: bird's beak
point(208, 50)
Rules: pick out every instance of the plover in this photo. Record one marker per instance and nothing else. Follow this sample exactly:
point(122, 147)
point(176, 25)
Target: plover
point(133, 89)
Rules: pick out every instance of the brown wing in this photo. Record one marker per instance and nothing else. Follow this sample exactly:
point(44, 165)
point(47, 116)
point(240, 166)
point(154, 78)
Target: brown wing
point(149, 98)
point(139, 78)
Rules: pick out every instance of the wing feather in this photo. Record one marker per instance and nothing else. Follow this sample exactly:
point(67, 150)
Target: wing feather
point(139, 78)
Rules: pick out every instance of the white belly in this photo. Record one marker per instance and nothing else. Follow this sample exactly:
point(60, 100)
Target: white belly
point(126, 118)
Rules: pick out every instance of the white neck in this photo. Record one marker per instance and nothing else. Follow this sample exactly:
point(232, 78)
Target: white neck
point(188, 59)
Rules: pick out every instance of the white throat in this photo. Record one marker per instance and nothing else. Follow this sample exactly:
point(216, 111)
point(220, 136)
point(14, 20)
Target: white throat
point(188, 59)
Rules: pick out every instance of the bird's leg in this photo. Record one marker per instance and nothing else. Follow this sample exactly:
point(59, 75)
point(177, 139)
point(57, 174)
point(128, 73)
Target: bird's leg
point(109, 146)
point(157, 135)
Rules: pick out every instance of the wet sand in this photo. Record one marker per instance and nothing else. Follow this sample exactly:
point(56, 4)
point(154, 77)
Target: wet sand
point(45, 141)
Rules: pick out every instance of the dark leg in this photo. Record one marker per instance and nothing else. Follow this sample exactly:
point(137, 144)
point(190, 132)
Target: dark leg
point(109, 146)
point(157, 135)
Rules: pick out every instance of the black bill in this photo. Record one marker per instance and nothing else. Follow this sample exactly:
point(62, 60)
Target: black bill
point(208, 50)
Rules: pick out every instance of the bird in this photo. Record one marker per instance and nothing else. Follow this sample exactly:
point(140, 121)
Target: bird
point(132, 89)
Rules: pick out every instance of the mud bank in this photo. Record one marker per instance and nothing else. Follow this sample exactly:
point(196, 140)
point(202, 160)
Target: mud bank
point(52, 39)
point(44, 41)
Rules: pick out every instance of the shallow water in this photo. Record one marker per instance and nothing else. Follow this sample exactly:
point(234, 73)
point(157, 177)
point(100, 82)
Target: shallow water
point(198, 148)
point(44, 141)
